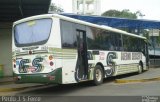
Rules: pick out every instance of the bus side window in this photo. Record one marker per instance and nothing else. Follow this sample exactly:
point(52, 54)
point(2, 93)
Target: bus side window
point(68, 35)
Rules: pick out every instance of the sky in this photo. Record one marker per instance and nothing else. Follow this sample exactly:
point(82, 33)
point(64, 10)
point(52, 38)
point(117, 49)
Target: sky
point(150, 8)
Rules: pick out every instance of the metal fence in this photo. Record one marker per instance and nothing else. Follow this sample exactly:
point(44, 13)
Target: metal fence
point(154, 62)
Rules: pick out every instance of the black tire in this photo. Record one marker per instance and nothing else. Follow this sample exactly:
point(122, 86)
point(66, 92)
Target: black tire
point(98, 75)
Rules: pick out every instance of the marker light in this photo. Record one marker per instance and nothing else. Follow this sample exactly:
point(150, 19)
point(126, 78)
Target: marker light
point(51, 63)
point(30, 52)
point(14, 66)
point(14, 60)
point(50, 57)
point(51, 77)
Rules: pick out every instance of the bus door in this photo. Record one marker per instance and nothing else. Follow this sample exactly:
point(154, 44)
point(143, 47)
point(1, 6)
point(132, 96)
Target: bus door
point(82, 68)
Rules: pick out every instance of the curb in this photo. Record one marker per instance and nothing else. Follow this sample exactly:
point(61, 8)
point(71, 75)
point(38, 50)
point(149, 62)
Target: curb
point(6, 82)
point(17, 89)
point(12, 89)
point(138, 80)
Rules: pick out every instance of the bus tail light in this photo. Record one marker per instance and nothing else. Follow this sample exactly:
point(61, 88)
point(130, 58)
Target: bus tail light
point(50, 57)
point(14, 66)
point(51, 63)
point(14, 60)
point(30, 52)
point(51, 77)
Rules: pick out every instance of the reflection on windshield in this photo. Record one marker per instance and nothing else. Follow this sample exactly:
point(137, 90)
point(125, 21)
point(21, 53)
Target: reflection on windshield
point(32, 32)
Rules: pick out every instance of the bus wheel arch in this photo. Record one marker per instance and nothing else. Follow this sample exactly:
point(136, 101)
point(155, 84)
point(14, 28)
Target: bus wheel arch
point(98, 74)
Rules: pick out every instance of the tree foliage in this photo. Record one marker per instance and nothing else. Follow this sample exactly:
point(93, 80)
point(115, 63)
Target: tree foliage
point(126, 13)
point(55, 9)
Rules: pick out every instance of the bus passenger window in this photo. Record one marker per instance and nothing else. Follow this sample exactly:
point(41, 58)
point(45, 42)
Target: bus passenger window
point(68, 35)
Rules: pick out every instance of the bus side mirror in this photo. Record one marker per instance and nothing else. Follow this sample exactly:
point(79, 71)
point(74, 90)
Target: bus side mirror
point(150, 47)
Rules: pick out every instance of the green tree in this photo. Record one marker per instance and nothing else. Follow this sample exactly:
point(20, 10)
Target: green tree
point(55, 9)
point(126, 13)
point(112, 13)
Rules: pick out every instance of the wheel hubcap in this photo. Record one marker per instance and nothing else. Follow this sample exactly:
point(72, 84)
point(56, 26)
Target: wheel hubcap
point(98, 75)
point(140, 69)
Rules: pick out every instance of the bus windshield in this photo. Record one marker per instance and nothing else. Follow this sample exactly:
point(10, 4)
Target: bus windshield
point(33, 32)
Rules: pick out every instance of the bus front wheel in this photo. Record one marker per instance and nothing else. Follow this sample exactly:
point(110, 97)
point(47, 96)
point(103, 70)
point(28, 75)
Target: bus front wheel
point(98, 75)
point(140, 68)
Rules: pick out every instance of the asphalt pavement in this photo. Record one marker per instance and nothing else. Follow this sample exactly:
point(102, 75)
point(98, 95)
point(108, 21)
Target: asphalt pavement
point(153, 74)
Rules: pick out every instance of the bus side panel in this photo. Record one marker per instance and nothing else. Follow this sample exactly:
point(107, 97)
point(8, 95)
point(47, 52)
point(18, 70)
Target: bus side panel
point(69, 51)
point(55, 36)
point(117, 66)
point(54, 43)
point(69, 66)
point(117, 63)
point(125, 63)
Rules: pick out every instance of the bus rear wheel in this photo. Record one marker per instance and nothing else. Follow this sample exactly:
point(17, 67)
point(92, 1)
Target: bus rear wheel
point(98, 75)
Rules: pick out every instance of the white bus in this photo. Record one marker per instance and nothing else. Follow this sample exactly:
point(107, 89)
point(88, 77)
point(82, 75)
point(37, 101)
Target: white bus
point(57, 49)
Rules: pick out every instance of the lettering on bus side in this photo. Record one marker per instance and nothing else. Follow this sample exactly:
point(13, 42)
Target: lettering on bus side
point(110, 57)
point(111, 69)
point(131, 56)
point(36, 66)
point(125, 56)
point(101, 56)
point(136, 55)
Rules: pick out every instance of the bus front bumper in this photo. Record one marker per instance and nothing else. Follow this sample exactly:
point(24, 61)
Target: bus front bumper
point(54, 77)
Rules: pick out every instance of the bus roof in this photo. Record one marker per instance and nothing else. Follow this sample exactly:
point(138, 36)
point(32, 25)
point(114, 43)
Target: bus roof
point(79, 22)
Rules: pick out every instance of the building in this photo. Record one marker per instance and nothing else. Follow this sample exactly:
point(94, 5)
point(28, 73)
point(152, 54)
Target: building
point(89, 7)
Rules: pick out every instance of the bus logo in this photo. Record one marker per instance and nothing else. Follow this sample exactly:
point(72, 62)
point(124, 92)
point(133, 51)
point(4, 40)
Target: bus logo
point(110, 70)
point(36, 66)
point(110, 57)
